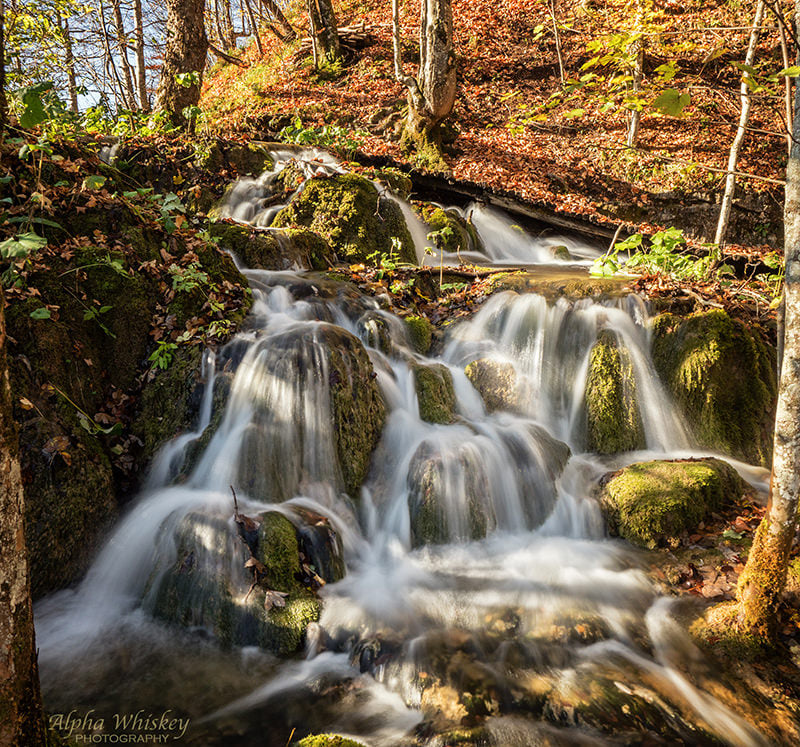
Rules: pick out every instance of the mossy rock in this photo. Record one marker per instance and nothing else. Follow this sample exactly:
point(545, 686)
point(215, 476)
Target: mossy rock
point(435, 394)
point(284, 629)
point(274, 250)
point(347, 210)
point(723, 378)
point(245, 159)
point(279, 551)
point(496, 382)
point(327, 740)
point(653, 503)
point(614, 423)
point(399, 182)
point(452, 232)
point(420, 333)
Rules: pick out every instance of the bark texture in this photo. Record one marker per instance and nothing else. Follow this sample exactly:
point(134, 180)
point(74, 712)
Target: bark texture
point(764, 576)
point(185, 52)
point(21, 716)
point(325, 32)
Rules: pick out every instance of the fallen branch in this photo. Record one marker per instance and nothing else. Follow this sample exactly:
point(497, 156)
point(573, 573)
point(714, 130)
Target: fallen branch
point(227, 57)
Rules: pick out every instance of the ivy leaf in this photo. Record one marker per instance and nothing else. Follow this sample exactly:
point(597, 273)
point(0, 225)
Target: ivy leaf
point(41, 313)
point(671, 102)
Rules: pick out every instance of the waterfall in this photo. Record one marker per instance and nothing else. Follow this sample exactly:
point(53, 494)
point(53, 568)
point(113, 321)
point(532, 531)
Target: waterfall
point(478, 537)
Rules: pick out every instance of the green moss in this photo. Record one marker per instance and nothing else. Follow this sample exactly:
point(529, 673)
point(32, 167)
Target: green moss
point(285, 627)
point(723, 378)
point(327, 740)
point(399, 182)
point(310, 246)
point(279, 551)
point(719, 630)
point(358, 409)
point(614, 423)
point(420, 333)
point(348, 212)
point(461, 236)
point(434, 387)
point(652, 503)
point(496, 382)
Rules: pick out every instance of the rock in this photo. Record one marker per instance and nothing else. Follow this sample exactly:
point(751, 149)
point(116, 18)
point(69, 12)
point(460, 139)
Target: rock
point(496, 381)
point(454, 232)
point(420, 333)
point(348, 212)
point(614, 423)
point(327, 740)
point(434, 387)
point(723, 378)
point(561, 252)
point(274, 250)
point(245, 159)
point(653, 503)
point(278, 550)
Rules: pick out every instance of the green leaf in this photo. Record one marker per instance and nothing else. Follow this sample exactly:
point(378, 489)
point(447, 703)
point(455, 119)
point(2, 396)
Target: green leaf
point(671, 102)
point(39, 221)
point(94, 182)
point(41, 313)
point(21, 245)
point(574, 113)
point(732, 535)
point(790, 72)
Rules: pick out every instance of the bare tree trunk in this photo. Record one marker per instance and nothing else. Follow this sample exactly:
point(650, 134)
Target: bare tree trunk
point(289, 34)
point(3, 102)
point(551, 7)
point(122, 46)
point(744, 92)
point(185, 52)
point(21, 715)
point(432, 94)
point(69, 63)
point(764, 575)
point(119, 91)
point(254, 27)
point(637, 48)
point(326, 31)
point(141, 71)
point(787, 90)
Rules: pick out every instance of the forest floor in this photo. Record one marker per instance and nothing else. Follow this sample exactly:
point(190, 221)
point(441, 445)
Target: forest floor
point(516, 128)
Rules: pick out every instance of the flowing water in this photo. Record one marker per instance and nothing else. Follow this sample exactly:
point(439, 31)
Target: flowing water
point(508, 589)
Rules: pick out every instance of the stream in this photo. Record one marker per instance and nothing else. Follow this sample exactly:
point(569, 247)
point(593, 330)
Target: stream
point(510, 589)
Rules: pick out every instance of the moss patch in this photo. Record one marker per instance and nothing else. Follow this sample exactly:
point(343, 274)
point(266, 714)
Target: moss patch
point(279, 551)
point(614, 423)
point(327, 740)
point(420, 333)
point(348, 212)
point(652, 503)
point(451, 231)
point(434, 387)
point(496, 382)
point(723, 378)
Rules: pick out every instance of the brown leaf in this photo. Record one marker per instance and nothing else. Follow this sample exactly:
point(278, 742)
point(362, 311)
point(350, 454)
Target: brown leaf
point(274, 599)
point(25, 403)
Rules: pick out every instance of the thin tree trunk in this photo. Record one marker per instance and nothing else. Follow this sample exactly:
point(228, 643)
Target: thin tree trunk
point(744, 92)
point(764, 575)
point(69, 63)
point(313, 35)
point(122, 46)
point(3, 103)
point(787, 90)
point(110, 65)
point(552, 10)
point(274, 10)
point(21, 715)
point(254, 27)
point(141, 70)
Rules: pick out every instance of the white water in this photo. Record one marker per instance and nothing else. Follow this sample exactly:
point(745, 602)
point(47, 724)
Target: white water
point(545, 562)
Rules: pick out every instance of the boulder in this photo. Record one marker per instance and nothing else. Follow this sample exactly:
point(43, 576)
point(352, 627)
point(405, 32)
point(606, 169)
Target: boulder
point(722, 376)
point(613, 421)
point(360, 224)
point(420, 333)
point(653, 503)
point(435, 394)
point(453, 233)
point(496, 381)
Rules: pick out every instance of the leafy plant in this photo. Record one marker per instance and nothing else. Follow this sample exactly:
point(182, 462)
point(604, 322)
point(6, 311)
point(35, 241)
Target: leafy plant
point(93, 313)
point(189, 278)
point(329, 136)
point(162, 356)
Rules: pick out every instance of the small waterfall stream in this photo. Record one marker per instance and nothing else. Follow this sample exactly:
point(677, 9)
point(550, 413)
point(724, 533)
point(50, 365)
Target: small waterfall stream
point(480, 588)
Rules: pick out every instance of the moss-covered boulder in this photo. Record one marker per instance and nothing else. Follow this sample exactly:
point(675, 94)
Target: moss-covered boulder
point(435, 394)
point(450, 230)
point(722, 375)
point(613, 421)
point(244, 158)
point(327, 740)
point(420, 333)
point(653, 503)
point(274, 250)
point(348, 211)
point(496, 381)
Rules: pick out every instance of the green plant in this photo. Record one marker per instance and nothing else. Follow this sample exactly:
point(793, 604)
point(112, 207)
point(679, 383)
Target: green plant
point(162, 356)
point(329, 136)
point(93, 313)
point(189, 278)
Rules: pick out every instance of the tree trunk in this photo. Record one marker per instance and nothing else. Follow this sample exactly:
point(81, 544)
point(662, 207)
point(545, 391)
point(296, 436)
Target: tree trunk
point(122, 47)
point(432, 94)
point(274, 10)
point(764, 575)
point(326, 31)
point(744, 117)
point(185, 52)
point(254, 27)
point(141, 71)
point(69, 63)
point(637, 73)
point(21, 715)
point(3, 103)
point(119, 92)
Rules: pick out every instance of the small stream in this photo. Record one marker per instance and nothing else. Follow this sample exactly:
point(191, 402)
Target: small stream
point(518, 591)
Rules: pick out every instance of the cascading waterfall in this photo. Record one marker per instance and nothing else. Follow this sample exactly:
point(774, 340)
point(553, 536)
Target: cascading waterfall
point(480, 535)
